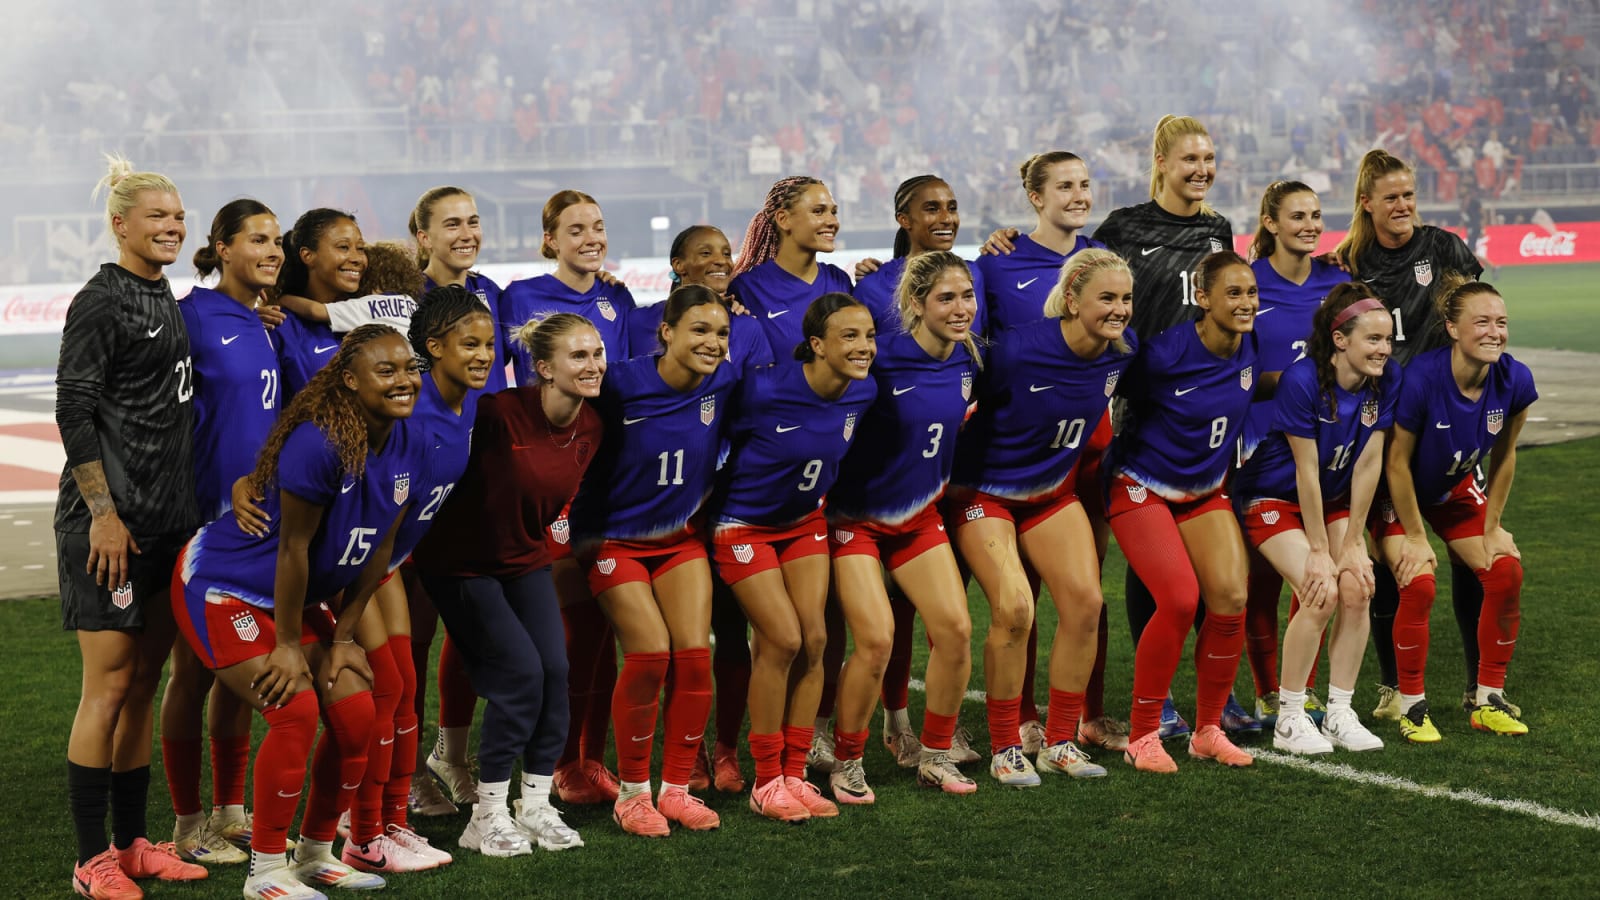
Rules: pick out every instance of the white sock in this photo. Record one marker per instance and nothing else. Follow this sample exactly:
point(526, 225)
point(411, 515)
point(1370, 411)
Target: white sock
point(308, 849)
point(191, 821)
point(233, 812)
point(491, 797)
point(667, 787)
point(536, 791)
point(1339, 698)
point(1409, 700)
point(261, 863)
point(630, 789)
point(1484, 691)
point(451, 745)
point(896, 720)
point(1291, 703)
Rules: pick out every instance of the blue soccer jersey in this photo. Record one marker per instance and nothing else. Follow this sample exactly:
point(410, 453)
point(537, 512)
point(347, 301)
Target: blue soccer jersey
point(303, 349)
point(747, 346)
point(1454, 433)
point(357, 513)
point(876, 291)
point(488, 293)
point(905, 444)
point(779, 300)
point(1017, 284)
point(656, 465)
point(1185, 412)
point(237, 393)
point(607, 306)
point(1038, 403)
point(787, 443)
point(1283, 322)
point(447, 442)
point(1302, 410)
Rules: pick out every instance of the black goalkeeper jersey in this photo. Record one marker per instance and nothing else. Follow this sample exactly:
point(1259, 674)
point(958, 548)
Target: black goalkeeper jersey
point(1162, 250)
point(124, 396)
point(1406, 279)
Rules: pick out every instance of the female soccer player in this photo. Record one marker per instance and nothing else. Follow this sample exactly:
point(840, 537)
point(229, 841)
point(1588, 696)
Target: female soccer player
point(636, 525)
point(1304, 495)
point(1188, 394)
point(449, 234)
point(324, 258)
point(1292, 284)
point(1390, 249)
point(700, 254)
point(336, 471)
point(575, 237)
point(124, 405)
point(236, 402)
point(1047, 388)
point(928, 218)
point(487, 565)
point(884, 514)
point(791, 426)
point(1461, 405)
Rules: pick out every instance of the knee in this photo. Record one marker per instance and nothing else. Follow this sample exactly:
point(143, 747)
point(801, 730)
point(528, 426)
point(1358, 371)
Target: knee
point(815, 645)
point(1083, 617)
point(1227, 600)
point(874, 646)
point(954, 636)
point(779, 650)
point(1012, 620)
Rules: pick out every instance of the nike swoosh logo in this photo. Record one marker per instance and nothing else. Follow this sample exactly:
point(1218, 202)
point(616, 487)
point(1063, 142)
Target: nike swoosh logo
point(820, 537)
point(1034, 388)
point(228, 340)
point(1229, 656)
point(1504, 643)
point(405, 730)
point(1146, 702)
point(645, 738)
point(1021, 285)
point(941, 526)
point(324, 349)
point(898, 391)
point(1264, 310)
point(345, 489)
point(347, 787)
point(286, 796)
point(694, 737)
point(1441, 424)
point(785, 429)
point(157, 330)
point(385, 743)
point(1148, 250)
point(1180, 393)
point(1412, 647)
point(626, 421)
point(777, 313)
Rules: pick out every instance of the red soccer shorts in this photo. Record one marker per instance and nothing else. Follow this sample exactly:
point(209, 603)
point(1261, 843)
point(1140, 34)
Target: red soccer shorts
point(1457, 517)
point(1269, 517)
point(892, 545)
point(617, 563)
point(1127, 495)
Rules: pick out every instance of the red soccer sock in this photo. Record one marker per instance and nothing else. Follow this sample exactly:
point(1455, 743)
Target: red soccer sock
point(1004, 720)
point(397, 791)
point(1261, 624)
point(796, 744)
point(688, 710)
point(1028, 710)
point(457, 700)
point(937, 730)
point(1094, 694)
point(1216, 664)
point(230, 763)
point(767, 750)
point(633, 711)
point(582, 623)
point(596, 723)
point(1411, 632)
point(848, 744)
point(366, 817)
point(1149, 537)
point(180, 758)
point(732, 679)
point(1500, 620)
point(338, 765)
point(1066, 708)
point(281, 770)
point(897, 675)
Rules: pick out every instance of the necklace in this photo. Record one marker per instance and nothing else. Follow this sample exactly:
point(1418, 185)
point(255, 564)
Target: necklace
point(561, 445)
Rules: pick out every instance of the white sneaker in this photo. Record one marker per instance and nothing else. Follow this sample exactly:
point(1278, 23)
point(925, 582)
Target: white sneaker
point(1343, 728)
point(961, 752)
point(320, 869)
point(1011, 768)
point(456, 779)
point(1296, 733)
point(202, 845)
point(1066, 759)
point(542, 824)
point(1032, 734)
point(821, 756)
point(905, 746)
point(417, 844)
point(427, 799)
point(279, 883)
point(494, 833)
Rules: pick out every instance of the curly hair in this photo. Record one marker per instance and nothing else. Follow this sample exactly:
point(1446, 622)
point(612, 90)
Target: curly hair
point(441, 310)
point(761, 237)
point(328, 404)
point(391, 269)
point(1319, 343)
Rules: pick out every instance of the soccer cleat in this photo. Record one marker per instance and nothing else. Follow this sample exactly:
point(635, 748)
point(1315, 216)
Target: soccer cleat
point(456, 779)
point(774, 801)
point(427, 800)
point(322, 870)
point(1031, 733)
point(1235, 720)
point(1469, 702)
point(678, 805)
point(417, 844)
point(1172, 724)
point(1388, 708)
point(384, 855)
point(961, 752)
point(700, 778)
point(1267, 710)
point(1211, 743)
point(637, 815)
point(905, 746)
point(543, 825)
point(237, 827)
point(1496, 716)
point(1314, 707)
point(102, 878)
point(1064, 758)
point(821, 757)
point(849, 783)
point(202, 845)
point(1296, 733)
point(1417, 727)
point(1104, 732)
point(1147, 755)
point(493, 832)
point(810, 796)
point(1011, 768)
point(725, 772)
point(143, 859)
point(585, 782)
point(279, 884)
point(1343, 728)
point(937, 769)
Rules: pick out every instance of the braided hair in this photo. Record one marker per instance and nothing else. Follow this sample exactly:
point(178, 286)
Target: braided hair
point(762, 237)
point(440, 311)
point(903, 195)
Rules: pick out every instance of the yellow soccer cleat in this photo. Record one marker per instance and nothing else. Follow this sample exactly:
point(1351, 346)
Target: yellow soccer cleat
point(1416, 727)
point(1497, 717)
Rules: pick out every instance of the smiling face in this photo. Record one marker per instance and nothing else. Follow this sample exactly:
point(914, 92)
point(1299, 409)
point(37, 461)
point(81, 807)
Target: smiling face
point(1481, 329)
point(1367, 347)
point(1105, 304)
point(577, 364)
point(385, 379)
point(151, 233)
point(1066, 200)
point(334, 267)
point(1298, 226)
point(811, 222)
point(849, 344)
point(1188, 171)
point(707, 260)
point(1230, 302)
point(931, 219)
point(454, 234)
point(699, 341)
point(466, 352)
point(950, 306)
point(1392, 204)
point(579, 240)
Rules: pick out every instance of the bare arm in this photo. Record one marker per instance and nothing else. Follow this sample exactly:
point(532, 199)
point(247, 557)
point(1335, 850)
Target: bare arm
point(1320, 581)
point(305, 308)
point(346, 653)
point(286, 669)
point(1363, 485)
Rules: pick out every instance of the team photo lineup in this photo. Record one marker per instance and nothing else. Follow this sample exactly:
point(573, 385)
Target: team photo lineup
point(715, 521)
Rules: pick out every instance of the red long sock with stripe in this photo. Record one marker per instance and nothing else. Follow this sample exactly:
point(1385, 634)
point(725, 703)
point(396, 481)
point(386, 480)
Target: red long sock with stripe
point(1004, 720)
point(767, 750)
point(230, 763)
point(593, 748)
point(582, 623)
point(688, 710)
point(796, 744)
point(1216, 664)
point(1500, 621)
point(180, 759)
point(937, 730)
point(848, 744)
point(281, 770)
point(366, 817)
point(633, 711)
point(397, 791)
point(1411, 632)
point(1066, 707)
point(338, 764)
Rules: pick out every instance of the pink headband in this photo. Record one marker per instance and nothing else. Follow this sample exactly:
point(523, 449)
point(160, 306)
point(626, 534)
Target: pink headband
point(1364, 305)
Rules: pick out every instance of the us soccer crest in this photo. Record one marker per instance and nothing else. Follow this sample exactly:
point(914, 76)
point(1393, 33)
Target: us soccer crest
point(1247, 378)
point(1216, 245)
point(605, 566)
point(1424, 272)
point(974, 513)
point(122, 597)
point(402, 488)
point(708, 410)
point(744, 553)
point(1369, 413)
point(849, 425)
point(1270, 517)
point(1497, 417)
point(244, 624)
point(607, 310)
point(966, 385)
point(561, 530)
point(1111, 383)
point(1138, 493)
point(842, 536)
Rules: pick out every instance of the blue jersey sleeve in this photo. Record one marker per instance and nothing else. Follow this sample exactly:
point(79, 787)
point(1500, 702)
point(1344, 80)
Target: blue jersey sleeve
point(308, 466)
point(1298, 400)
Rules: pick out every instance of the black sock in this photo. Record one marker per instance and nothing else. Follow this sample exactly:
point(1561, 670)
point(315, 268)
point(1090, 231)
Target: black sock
point(88, 792)
point(1466, 595)
point(130, 794)
point(1141, 605)
point(1385, 603)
